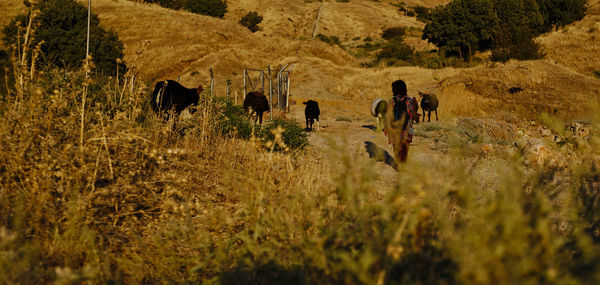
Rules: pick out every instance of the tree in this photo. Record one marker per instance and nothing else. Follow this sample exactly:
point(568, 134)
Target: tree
point(462, 27)
point(559, 13)
point(214, 8)
point(62, 26)
point(391, 33)
point(251, 21)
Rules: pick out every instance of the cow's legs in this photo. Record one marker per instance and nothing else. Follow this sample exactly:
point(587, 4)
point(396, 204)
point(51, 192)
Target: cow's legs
point(318, 127)
point(423, 115)
point(428, 116)
point(436, 116)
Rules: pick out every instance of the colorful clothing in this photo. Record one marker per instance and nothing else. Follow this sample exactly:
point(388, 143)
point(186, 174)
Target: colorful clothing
point(403, 110)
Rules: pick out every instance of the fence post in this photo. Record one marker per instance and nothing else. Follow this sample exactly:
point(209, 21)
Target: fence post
point(270, 91)
point(244, 74)
point(212, 82)
point(227, 87)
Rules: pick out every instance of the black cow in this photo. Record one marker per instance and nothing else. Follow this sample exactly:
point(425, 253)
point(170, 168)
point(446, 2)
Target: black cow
point(311, 112)
point(429, 103)
point(259, 104)
point(170, 95)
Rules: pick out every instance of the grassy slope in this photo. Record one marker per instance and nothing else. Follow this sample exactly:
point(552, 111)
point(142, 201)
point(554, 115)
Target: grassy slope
point(186, 45)
point(578, 45)
point(200, 206)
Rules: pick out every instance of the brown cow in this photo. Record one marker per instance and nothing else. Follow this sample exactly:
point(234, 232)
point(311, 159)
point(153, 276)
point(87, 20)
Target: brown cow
point(259, 104)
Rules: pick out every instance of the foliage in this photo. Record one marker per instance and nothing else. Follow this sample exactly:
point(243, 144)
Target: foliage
point(391, 33)
point(139, 201)
point(173, 4)
point(331, 40)
point(423, 13)
point(462, 27)
point(395, 51)
point(518, 44)
point(505, 26)
point(213, 8)
point(6, 74)
point(234, 119)
point(251, 21)
point(61, 28)
point(293, 135)
point(559, 13)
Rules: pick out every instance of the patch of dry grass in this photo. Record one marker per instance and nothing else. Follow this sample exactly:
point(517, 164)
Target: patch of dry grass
point(576, 46)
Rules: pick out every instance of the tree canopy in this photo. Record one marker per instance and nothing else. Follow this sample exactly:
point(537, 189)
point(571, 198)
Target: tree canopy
point(62, 26)
point(462, 27)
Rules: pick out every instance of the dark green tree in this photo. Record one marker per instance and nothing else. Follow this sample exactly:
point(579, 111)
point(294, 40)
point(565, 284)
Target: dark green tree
point(517, 43)
point(251, 21)
point(395, 51)
point(391, 33)
point(559, 13)
point(62, 25)
point(214, 8)
point(462, 27)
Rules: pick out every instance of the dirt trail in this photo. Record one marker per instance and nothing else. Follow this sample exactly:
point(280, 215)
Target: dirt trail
point(358, 139)
point(436, 146)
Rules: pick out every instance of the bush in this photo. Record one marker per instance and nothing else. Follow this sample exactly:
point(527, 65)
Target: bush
point(394, 51)
point(394, 32)
point(423, 13)
point(234, 119)
point(251, 21)
point(62, 26)
point(293, 136)
point(332, 40)
point(214, 8)
point(6, 74)
point(518, 44)
point(173, 4)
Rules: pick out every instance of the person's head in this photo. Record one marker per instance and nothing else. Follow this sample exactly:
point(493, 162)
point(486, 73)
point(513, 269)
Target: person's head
point(399, 88)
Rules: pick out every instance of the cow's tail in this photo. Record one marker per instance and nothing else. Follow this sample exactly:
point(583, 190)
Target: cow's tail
point(158, 95)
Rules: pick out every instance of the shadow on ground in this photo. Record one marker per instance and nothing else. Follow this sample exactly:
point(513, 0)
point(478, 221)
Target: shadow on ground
point(379, 154)
point(370, 127)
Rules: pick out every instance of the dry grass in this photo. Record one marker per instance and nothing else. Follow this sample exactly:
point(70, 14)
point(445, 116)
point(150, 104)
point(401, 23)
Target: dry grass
point(138, 202)
point(576, 46)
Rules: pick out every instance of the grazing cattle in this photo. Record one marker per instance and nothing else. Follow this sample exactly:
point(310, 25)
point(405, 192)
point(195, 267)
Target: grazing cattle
point(170, 95)
point(378, 109)
point(415, 108)
point(429, 102)
point(259, 104)
point(311, 112)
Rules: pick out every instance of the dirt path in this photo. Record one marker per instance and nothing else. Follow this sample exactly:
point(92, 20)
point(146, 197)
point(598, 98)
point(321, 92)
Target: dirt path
point(432, 149)
point(365, 146)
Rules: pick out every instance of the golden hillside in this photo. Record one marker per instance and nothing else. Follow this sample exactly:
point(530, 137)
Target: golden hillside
point(164, 43)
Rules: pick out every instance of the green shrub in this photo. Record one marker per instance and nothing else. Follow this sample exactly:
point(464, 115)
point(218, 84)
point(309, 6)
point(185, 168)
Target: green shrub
point(62, 26)
point(6, 74)
point(332, 40)
point(395, 51)
point(233, 120)
point(173, 4)
point(251, 21)
point(394, 32)
point(423, 13)
point(518, 44)
point(214, 8)
point(294, 136)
